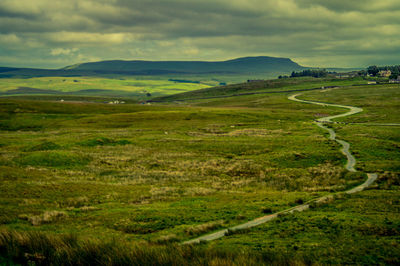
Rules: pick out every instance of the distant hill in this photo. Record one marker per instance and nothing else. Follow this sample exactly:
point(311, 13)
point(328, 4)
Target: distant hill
point(245, 65)
point(28, 90)
point(87, 92)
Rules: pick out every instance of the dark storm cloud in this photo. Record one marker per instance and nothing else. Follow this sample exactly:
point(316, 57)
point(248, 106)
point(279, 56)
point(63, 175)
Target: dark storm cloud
point(313, 32)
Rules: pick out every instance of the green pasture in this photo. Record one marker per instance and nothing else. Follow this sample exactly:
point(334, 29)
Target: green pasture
point(140, 86)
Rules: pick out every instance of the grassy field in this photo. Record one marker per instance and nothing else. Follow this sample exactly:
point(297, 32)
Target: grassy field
point(353, 229)
point(152, 175)
point(260, 87)
point(375, 142)
point(118, 86)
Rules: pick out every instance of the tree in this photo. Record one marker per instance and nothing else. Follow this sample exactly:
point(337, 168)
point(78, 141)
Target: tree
point(373, 70)
point(362, 73)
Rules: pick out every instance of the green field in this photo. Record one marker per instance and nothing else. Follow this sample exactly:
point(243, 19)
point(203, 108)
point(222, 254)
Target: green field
point(152, 176)
point(141, 88)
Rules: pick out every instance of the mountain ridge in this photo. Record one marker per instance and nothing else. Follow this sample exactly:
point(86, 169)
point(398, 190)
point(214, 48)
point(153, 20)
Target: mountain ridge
point(244, 66)
point(259, 64)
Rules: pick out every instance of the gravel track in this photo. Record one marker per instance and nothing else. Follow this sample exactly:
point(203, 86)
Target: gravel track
point(351, 161)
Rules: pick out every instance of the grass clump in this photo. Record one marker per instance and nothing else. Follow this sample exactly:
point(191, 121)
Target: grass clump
point(61, 159)
point(203, 228)
point(15, 125)
point(44, 146)
point(76, 202)
point(34, 248)
point(103, 141)
point(46, 217)
point(231, 232)
point(167, 239)
point(12, 173)
point(389, 180)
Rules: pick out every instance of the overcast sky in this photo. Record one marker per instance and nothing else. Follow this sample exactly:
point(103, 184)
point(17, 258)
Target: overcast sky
point(335, 33)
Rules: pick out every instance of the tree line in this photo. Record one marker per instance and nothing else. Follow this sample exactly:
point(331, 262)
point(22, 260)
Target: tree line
point(374, 70)
point(371, 70)
point(316, 73)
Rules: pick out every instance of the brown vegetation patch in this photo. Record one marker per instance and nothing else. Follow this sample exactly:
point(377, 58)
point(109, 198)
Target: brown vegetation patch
point(203, 228)
point(199, 191)
point(255, 132)
point(46, 217)
point(162, 192)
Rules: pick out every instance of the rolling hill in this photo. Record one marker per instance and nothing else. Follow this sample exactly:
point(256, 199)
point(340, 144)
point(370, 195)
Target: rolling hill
point(261, 64)
point(248, 66)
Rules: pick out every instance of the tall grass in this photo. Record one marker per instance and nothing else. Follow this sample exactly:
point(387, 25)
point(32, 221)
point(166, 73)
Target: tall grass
point(36, 248)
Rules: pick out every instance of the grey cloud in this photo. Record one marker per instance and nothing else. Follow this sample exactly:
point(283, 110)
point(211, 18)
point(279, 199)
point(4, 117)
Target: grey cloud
point(350, 6)
point(13, 14)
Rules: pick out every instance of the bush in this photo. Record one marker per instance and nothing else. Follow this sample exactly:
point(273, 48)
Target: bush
point(299, 201)
point(267, 210)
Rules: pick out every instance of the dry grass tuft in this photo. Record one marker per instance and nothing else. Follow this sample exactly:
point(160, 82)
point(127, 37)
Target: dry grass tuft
point(46, 217)
point(161, 192)
point(203, 228)
point(255, 132)
point(199, 191)
point(167, 239)
point(88, 208)
point(77, 202)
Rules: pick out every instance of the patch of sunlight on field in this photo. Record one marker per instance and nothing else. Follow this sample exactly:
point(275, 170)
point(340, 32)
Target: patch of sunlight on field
point(71, 84)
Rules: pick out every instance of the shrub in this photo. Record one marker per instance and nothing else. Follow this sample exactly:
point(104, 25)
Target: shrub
point(267, 210)
point(299, 201)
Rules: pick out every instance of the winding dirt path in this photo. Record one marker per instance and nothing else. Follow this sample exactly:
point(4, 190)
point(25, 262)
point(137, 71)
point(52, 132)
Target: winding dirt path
point(351, 161)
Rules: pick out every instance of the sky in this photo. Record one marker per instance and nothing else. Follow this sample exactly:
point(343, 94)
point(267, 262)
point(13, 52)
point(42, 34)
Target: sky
point(316, 33)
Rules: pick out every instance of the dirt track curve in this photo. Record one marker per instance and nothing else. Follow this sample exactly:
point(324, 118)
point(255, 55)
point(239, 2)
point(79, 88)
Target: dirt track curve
point(351, 161)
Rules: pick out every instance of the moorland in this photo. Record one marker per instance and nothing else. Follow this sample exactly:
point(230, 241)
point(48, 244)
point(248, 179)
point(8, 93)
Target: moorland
point(84, 182)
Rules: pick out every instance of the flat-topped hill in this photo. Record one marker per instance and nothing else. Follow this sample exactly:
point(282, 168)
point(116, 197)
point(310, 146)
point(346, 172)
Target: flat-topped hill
point(260, 64)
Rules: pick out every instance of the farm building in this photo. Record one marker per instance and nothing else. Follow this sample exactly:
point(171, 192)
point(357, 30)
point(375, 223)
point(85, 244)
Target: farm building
point(385, 73)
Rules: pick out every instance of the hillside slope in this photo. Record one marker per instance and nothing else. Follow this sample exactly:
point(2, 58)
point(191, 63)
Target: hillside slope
point(261, 64)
